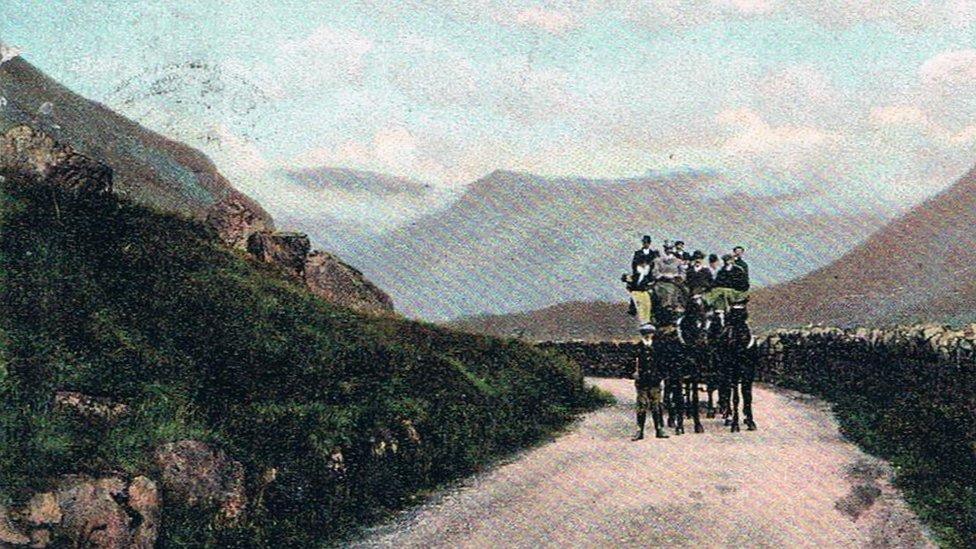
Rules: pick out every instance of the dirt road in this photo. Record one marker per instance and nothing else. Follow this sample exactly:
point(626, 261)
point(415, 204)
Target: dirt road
point(793, 483)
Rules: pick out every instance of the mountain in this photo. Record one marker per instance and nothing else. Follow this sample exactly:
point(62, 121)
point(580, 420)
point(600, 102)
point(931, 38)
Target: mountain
point(919, 267)
point(516, 242)
point(43, 124)
point(343, 207)
point(148, 167)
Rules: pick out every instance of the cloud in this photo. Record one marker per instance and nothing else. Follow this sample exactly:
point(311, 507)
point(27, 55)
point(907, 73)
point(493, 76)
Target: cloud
point(556, 22)
point(898, 115)
point(784, 146)
point(393, 150)
point(326, 54)
point(749, 7)
point(950, 68)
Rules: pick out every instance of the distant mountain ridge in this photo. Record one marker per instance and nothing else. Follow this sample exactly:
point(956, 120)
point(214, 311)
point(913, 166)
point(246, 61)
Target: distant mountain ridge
point(515, 241)
point(920, 267)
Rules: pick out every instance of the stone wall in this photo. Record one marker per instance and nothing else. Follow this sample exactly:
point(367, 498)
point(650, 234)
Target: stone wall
point(604, 359)
point(807, 353)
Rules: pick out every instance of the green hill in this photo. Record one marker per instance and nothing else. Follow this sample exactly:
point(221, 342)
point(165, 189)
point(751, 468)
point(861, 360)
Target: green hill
point(355, 415)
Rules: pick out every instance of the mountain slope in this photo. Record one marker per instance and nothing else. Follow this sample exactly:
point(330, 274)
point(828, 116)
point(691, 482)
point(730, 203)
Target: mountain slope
point(149, 168)
point(514, 242)
point(334, 418)
point(920, 267)
point(341, 208)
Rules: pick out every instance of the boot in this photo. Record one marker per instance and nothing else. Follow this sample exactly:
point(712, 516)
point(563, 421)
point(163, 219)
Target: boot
point(750, 424)
point(659, 431)
point(641, 418)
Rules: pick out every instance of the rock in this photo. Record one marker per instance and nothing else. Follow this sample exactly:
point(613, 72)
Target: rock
point(26, 150)
point(285, 249)
point(90, 407)
point(9, 533)
point(334, 281)
point(83, 511)
point(235, 218)
point(195, 475)
point(43, 508)
point(144, 499)
point(94, 515)
point(40, 538)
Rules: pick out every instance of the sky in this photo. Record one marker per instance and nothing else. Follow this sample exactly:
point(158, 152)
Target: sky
point(874, 97)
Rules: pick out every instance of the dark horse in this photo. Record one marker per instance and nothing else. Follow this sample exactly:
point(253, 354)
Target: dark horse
point(669, 302)
point(736, 359)
point(694, 334)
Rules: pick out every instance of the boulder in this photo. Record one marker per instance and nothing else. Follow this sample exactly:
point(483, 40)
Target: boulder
point(83, 511)
point(10, 534)
point(235, 218)
point(331, 279)
point(195, 475)
point(26, 150)
point(286, 250)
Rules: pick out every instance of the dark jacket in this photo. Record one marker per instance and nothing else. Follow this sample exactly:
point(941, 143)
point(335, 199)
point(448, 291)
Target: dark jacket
point(638, 284)
point(742, 263)
point(651, 255)
point(736, 278)
point(698, 281)
point(648, 370)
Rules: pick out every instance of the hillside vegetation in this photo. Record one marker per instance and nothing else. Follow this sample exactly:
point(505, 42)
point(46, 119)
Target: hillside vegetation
point(354, 415)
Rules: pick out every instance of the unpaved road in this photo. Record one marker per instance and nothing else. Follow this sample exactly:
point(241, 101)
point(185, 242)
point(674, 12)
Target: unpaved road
point(793, 483)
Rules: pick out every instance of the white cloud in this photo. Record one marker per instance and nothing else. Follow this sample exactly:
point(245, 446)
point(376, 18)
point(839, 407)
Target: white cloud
point(753, 139)
point(393, 150)
point(556, 22)
point(898, 115)
point(8, 52)
point(749, 7)
point(326, 54)
point(950, 68)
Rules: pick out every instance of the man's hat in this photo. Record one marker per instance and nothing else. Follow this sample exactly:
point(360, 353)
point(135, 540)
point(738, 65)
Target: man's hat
point(712, 257)
point(679, 243)
point(698, 255)
point(727, 257)
point(646, 329)
point(646, 239)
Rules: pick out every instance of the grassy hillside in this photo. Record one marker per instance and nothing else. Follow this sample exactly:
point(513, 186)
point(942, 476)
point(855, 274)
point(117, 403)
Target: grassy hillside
point(112, 299)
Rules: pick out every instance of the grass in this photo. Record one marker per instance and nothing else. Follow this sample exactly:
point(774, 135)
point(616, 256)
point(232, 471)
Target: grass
point(112, 299)
point(918, 416)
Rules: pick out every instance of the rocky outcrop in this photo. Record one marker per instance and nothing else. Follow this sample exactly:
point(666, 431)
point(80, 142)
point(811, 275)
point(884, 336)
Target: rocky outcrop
point(195, 475)
point(323, 273)
point(25, 150)
point(287, 250)
point(82, 511)
point(337, 282)
point(235, 218)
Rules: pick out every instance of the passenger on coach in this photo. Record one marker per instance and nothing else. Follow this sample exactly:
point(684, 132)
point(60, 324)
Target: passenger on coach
point(732, 275)
point(645, 252)
point(698, 277)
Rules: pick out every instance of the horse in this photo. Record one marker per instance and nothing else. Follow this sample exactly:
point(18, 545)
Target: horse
point(694, 326)
point(737, 362)
point(669, 302)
